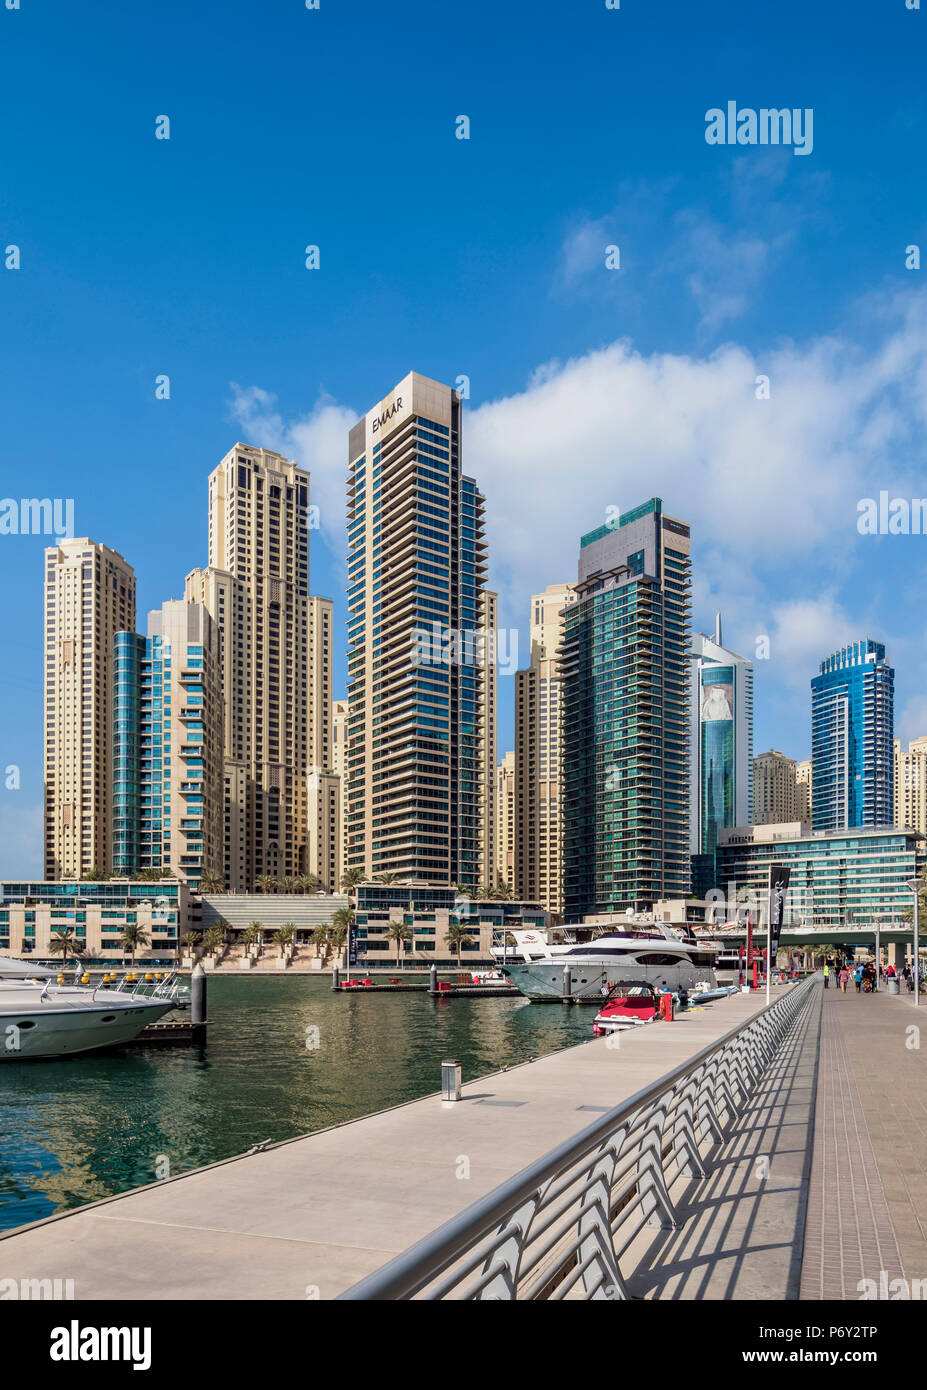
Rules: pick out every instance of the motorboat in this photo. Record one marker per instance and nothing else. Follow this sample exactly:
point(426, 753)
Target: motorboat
point(488, 977)
point(654, 953)
point(630, 1004)
point(43, 1016)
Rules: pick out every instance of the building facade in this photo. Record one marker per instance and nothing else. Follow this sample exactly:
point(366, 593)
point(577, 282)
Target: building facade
point(417, 738)
point(259, 521)
point(837, 878)
point(89, 597)
point(625, 693)
point(803, 798)
point(168, 746)
point(852, 735)
point(721, 740)
point(775, 797)
point(910, 784)
point(538, 820)
point(95, 914)
point(504, 871)
point(426, 911)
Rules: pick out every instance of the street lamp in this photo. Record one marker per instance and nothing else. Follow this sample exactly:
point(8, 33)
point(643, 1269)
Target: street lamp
point(914, 886)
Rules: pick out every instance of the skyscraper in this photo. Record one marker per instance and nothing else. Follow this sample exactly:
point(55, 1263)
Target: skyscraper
point(803, 791)
point(168, 746)
point(538, 824)
point(910, 778)
point(625, 757)
point(775, 792)
point(852, 729)
point(721, 740)
point(259, 536)
point(505, 821)
point(89, 597)
point(323, 788)
point(416, 681)
point(488, 734)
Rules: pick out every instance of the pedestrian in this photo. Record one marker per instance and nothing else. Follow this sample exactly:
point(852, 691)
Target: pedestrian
point(858, 977)
point(843, 978)
point(826, 974)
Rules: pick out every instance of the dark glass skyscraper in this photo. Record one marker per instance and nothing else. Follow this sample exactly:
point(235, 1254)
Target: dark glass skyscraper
point(852, 727)
point(625, 760)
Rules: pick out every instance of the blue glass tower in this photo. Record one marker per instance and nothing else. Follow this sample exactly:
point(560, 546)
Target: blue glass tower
point(625, 759)
point(852, 727)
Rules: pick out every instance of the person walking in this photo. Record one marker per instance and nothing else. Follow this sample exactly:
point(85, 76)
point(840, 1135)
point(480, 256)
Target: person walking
point(858, 976)
point(826, 974)
point(843, 978)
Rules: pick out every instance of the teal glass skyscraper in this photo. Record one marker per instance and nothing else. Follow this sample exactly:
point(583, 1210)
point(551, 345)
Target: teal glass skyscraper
point(852, 728)
point(625, 671)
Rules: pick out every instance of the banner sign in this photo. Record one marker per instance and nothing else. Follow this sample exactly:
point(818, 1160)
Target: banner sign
point(778, 888)
point(352, 944)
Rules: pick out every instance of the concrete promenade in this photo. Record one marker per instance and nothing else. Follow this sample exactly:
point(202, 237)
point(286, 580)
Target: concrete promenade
point(320, 1212)
point(867, 1210)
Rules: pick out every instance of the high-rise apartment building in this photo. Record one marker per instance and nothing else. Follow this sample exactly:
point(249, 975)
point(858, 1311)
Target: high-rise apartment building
point(168, 746)
point(775, 796)
point(852, 733)
point(721, 740)
point(259, 536)
point(803, 791)
point(538, 822)
point(339, 766)
point(89, 597)
point(488, 734)
point(625, 753)
point(910, 779)
point(505, 821)
point(417, 755)
point(322, 856)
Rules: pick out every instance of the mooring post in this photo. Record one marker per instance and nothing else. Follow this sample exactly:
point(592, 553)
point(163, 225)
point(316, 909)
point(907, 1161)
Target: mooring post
point(433, 980)
point(198, 1002)
point(567, 992)
point(335, 979)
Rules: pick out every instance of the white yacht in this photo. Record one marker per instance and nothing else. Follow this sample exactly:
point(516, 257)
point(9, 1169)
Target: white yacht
point(653, 953)
point(41, 1018)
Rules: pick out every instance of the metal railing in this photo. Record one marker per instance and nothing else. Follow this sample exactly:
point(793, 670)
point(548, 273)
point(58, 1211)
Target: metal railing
point(562, 1225)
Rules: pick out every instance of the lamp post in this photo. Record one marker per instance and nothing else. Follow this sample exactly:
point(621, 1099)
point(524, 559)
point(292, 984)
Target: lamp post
point(914, 886)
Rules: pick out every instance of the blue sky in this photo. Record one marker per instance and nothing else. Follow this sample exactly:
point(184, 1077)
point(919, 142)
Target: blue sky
point(589, 388)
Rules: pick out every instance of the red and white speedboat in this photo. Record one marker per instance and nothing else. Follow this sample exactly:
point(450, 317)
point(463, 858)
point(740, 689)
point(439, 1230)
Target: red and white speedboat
point(630, 1004)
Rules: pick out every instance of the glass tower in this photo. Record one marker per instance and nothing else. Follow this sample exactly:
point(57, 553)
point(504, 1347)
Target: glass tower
point(625, 758)
point(852, 728)
point(721, 732)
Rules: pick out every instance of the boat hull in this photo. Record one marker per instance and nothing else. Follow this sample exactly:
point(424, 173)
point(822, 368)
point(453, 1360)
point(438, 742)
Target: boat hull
point(32, 1033)
point(543, 981)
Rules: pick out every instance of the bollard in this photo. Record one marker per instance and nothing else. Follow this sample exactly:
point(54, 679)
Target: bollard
point(335, 975)
point(450, 1079)
point(567, 988)
point(198, 994)
point(433, 979)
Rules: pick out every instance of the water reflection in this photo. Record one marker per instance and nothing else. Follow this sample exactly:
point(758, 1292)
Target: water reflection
point(78, 1130)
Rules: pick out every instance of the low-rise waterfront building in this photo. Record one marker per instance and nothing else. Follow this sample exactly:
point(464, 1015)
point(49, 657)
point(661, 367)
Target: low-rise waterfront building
point(837, 877)
point(427, 911)
point(96, 914)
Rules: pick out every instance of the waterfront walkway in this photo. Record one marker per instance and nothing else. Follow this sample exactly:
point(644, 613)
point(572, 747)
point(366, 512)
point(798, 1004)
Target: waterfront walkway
point(821, 1182)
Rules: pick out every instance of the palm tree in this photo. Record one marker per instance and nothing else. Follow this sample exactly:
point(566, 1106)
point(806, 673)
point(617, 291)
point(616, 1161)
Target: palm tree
point(147, 875)
point(189, 941)
point(211, 882)
point(212, 937)
point(93, 874)
point(344, 917)
point(264, 882)
point(308, 883)
point(400, 934)
point(321, 940)
point(134, 938)
point(284, 935)
point(351, 878)
point(289, 884)
point(388, 877)
point(252, 934)
point(456, 934)
point(66, 942)
point(337, 936)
